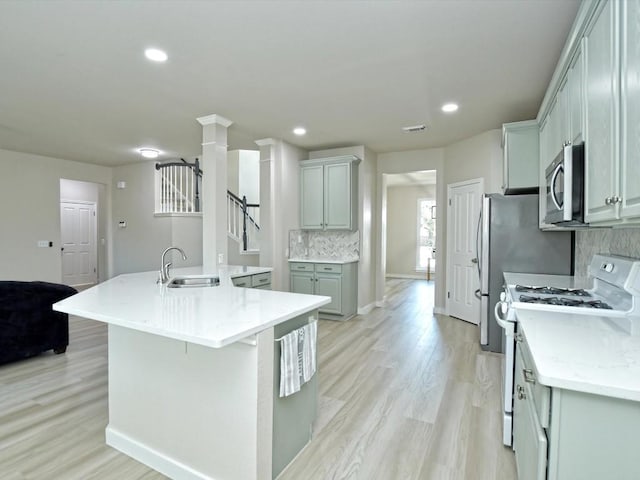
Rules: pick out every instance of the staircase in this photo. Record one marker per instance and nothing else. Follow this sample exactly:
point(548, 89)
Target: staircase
point(242, 222)
point(178, 187)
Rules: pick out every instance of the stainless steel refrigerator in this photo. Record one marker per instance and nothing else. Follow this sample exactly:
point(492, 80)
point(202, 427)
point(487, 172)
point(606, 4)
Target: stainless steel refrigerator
point(509, 240)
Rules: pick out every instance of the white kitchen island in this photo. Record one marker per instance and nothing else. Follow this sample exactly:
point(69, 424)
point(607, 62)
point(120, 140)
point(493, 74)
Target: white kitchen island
point(194, 373)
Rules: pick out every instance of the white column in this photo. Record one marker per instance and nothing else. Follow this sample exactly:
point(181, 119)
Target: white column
point(268, 190)
point(214, 189)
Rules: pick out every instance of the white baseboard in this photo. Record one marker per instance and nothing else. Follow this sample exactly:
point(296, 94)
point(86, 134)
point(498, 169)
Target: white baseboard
point(150, 457)
point(366, 309)
point(381, 303)
point(411, 276)
point(440, 310)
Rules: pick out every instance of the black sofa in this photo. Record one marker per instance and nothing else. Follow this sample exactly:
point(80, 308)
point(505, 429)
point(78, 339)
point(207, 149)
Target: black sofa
point(28, 324)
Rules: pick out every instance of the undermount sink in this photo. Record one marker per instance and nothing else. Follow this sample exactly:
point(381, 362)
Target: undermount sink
point(188, 282)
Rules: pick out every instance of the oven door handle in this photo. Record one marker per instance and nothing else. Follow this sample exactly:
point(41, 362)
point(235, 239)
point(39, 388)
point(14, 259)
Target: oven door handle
point(505, 324)
point(554, 177)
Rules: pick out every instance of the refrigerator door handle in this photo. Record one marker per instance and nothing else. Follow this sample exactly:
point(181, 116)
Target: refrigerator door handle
point(478, 259)
point(484, 245)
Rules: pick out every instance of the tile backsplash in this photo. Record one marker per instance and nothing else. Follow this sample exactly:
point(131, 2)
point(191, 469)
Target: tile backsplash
point(324, 245)
point(624, 242)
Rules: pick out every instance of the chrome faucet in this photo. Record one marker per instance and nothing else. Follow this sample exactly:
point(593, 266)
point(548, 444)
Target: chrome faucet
point(164, 267)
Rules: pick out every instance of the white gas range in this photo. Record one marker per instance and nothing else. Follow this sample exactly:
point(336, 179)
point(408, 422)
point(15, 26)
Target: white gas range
point(614, 295)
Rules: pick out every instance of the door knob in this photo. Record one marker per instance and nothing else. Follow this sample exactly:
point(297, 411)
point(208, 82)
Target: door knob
point(474, 260)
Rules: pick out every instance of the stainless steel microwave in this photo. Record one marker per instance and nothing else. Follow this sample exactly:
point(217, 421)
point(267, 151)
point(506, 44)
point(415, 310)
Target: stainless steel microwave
point(565, 187)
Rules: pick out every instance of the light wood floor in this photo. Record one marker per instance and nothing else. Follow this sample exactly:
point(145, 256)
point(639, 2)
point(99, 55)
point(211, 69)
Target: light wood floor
point(404, 394)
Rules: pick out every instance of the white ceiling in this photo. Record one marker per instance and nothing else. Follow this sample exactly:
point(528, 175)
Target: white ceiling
point(74, 82)
point(426, 177)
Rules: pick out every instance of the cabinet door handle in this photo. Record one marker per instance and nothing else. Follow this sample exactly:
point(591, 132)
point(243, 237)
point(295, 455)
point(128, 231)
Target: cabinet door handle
point(520, 392)
point(328, 268)
point(529, 377)
point(607, 201)
point(518, 337)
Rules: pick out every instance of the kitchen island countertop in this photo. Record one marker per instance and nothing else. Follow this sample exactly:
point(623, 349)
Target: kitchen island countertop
point(209, 316)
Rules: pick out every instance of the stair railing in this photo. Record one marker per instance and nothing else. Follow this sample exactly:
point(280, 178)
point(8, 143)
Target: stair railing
point(178, 188)
point(242, 218)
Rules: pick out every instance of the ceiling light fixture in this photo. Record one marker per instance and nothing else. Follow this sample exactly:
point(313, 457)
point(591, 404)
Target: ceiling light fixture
point(299, 130)
point(149, 152)
point(415, 128)
point(449, 107)
point(155, 55)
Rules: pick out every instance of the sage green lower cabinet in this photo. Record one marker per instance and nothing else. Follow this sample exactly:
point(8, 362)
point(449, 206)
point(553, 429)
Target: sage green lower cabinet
point(338, 281)
point(258, 280)
point(561, 434)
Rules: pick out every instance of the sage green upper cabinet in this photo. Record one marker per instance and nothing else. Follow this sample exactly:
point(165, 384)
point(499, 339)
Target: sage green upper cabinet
point(329, 193)
point(612, 66)
point(630, 110)
point(575, 115)
point(601, 93)
point(312, 196)
point(521, 155)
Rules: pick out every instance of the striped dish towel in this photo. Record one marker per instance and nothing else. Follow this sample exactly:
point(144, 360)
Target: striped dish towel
point(289, 364)
point(309, 351)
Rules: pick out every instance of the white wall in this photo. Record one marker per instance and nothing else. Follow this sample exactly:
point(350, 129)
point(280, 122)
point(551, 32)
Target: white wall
point(279, 205)
point(476, 157)
point(139, 246)
point(402, 228)
point(249, 175)
point(287, 212)
point(30, 211)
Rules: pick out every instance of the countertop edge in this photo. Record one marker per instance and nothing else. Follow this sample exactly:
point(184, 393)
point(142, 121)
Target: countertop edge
point(309, 260)
point(188, 338)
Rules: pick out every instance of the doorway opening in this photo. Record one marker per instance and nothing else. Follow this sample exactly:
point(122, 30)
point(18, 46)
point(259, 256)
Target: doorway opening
point(79, 232)
point(426, 226)
point(410, 225)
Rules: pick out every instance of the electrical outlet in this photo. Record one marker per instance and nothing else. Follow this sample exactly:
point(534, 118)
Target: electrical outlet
point(220, 258)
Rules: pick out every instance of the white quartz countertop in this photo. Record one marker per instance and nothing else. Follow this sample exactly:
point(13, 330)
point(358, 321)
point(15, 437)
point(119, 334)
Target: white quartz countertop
point(339, 261)
point(541, 280)
point(210, 316)
point(583, 353)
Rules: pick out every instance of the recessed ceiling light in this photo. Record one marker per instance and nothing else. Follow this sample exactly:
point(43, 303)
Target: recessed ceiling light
point(299, 130)
point(155, 54)
point(449, 107)
point(149, 152)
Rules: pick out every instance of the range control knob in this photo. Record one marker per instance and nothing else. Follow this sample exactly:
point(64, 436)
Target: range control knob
point(503, 296)
point(504, 308)
point(607, 267)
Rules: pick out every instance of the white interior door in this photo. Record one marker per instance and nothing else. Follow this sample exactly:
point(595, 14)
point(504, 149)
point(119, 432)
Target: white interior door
point(462, 275)
point(78, 241)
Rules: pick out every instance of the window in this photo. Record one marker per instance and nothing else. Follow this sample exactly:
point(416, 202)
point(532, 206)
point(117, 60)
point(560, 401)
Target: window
point(426, 226)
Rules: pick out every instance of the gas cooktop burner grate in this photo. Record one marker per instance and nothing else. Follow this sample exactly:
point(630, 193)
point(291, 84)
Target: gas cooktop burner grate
point(566, 302)
point(577, 292)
